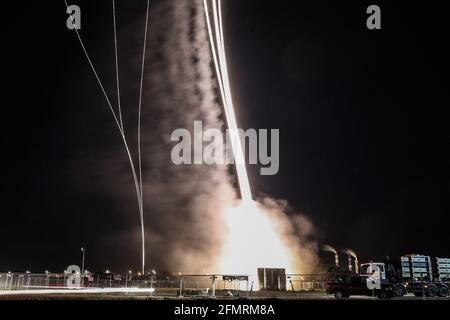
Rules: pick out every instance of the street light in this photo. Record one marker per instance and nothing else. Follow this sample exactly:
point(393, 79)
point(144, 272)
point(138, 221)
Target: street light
point(110, 277)
point(126, 278)
point(9, 275)
point(47, 278)
point(153, 278)
point(83, 250)
point(28, 278)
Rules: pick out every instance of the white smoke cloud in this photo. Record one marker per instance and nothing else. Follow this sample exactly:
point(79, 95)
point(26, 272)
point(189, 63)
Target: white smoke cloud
point(184, 205)
point(297, 231)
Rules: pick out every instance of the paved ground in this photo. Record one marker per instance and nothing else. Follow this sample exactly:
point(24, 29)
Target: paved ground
point(408, 297)
point(146, 294)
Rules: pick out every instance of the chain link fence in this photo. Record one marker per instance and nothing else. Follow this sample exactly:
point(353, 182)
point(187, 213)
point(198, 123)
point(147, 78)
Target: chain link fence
point(172, 284)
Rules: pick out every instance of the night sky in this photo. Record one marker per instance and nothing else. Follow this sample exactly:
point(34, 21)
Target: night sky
point(363, 119)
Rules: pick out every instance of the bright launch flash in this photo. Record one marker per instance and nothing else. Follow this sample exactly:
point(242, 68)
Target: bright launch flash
point(253, 240)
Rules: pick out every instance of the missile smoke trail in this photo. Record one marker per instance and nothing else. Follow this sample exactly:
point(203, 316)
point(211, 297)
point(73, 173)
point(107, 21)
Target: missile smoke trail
point(328, 248)
point(352, 253)
point(273, 241)
point(118, 118)
point(139, 138)
point(219, 56)
point(199, 224)
point(186, 202)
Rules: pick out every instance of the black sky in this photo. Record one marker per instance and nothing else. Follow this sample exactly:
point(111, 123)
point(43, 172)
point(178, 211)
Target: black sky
point(363, 118)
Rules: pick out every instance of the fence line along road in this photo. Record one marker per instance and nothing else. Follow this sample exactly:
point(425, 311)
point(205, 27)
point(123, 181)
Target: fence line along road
point(10, 282)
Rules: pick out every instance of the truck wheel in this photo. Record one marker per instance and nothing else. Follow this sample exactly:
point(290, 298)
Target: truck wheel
point(382, 295)
point(443, 292)
point(340, 295)
point(432, 291)
point(400, 291)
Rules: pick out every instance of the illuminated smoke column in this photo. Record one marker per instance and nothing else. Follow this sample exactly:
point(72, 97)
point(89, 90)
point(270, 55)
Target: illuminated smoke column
point(259, 233)
point(220, 63)
point(185, 203)
point(195, 222)
point(328, 248)
point(351, 254)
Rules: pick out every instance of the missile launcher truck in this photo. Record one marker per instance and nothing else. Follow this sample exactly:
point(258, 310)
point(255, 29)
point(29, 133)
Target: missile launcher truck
point(417, 274)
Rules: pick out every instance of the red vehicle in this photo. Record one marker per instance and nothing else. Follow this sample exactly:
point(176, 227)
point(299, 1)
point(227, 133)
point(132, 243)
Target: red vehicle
point(357, 286)
point(368, 284)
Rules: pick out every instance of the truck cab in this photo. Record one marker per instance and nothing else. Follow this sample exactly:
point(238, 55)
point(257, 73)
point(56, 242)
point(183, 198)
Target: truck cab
point(378, 268)
point(415, 274)
point(371, 281)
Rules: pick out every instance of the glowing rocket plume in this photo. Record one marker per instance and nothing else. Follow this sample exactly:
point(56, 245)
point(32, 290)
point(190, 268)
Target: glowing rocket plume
point(328, 248)
point(219, 56)
point(259, 233)
point(352, 253)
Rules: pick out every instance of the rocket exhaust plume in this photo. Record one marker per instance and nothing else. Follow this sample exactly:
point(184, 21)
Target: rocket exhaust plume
point(195, 221)
point(328, 248)
point(220, 62)
point(351, 254)
point(265, 245)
